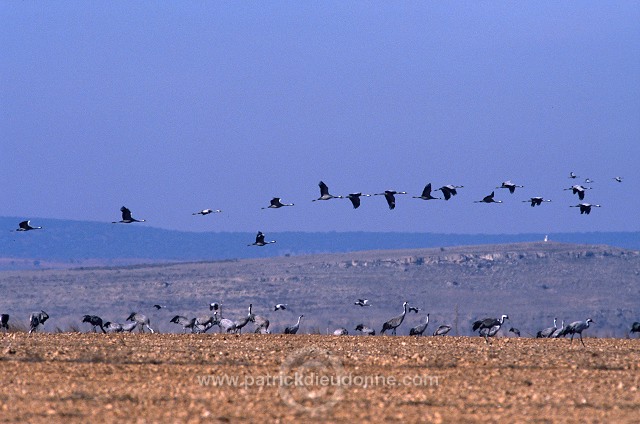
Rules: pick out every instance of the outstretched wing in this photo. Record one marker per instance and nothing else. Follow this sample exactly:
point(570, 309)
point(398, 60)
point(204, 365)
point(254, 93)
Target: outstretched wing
point(355, 200)
point(126, 214)
point(446, 192)
point(324, 190)
point(391, 200)
point(427, 191)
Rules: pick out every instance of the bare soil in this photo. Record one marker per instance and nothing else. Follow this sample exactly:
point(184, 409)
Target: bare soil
point(171, 378)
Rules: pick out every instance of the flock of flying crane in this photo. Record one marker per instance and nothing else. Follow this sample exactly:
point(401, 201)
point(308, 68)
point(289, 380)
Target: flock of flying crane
point(448, 191)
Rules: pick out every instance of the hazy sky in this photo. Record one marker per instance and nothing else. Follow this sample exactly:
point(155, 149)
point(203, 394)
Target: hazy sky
point(172, 107)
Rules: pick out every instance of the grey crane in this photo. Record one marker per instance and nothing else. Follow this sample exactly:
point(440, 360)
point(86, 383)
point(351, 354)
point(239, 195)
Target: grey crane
point(559, 332)
point(588, 181)
point(489, 332)
point(280, 307)
point(36, 319)
point(341, 332)
point(142, 320)
point(260, 240)
point(365, 330)
point(294, 328)
point(241, 323)
point(355, 199)
point(26, 226)
point(585, 208)
point(509, 185)
point(536, 201)
point(618, 179)
point(186, 323)
point(413, 309)
point(635, 327)
point(276, 203)
point(214, 306)
point(578, 327)
point(390, 197)
point(547, 332)
point(488, 199)
point(442, 330)
point(395, 322)
point(324, 193)
point(579, 190)
point(113, 327)
point(449, 190)
point(514, 331)
point(488, 322)
point(572, 175)
point(487, 325)
point(226, 325)
point(418, 330)
point(262, 323)
point(158, 307)
point(362, 302)
point(126, 217)
point(4, 321)
point(426, 194)
point(206, 212)
point(95, 321)
point(205, 322)
point(129, 326)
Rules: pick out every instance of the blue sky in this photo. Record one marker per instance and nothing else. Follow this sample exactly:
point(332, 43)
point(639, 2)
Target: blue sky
point(172, 107)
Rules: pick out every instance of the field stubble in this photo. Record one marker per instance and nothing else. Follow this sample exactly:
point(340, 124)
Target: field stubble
point(277, 378)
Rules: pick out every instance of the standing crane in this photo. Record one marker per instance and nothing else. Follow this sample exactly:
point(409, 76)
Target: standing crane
point(578, 327)
point(294, 328)
point(547, 332)
point(395, 322)
point(419, 329)
point(487, 325)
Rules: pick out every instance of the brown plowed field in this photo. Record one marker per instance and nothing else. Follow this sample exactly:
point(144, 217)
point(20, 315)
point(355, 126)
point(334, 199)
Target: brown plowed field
point(171, 378)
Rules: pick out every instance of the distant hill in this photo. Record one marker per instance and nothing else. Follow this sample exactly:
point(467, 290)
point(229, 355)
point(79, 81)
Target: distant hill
point(64, 243)
point(531, 282)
